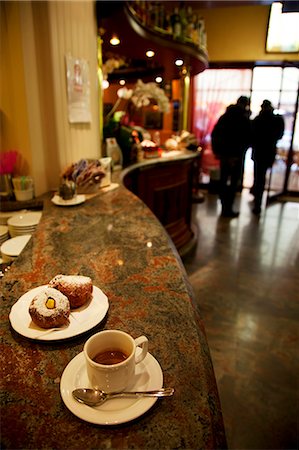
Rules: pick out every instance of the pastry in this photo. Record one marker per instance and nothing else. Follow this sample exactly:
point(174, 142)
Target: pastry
point(77, 288)
point(50, 309)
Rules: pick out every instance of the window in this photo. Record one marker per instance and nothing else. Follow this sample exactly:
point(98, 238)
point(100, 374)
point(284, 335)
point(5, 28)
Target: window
point(215, 89)
point(283, 30)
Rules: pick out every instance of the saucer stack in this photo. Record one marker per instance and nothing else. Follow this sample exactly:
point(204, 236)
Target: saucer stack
point(5, 215)
point(23, 224)
point(4, 235)
point(12, 248)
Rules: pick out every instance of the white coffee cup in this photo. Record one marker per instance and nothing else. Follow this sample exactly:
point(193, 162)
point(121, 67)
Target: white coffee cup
point(118, 356)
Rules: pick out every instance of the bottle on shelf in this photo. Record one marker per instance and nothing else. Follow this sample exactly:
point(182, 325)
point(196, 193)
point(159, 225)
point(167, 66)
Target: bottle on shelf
point(190, 24)
point(202, 41)
point(176, 24)
point(156, 138)
point(167, 24)
point(183, 20)
point(183, 24)
point(136, 153)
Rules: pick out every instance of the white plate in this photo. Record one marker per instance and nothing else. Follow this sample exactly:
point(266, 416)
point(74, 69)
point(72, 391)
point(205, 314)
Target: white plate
point(16, 232)
point(31, 228)
point(14, 246)
point(3, 230)
point(25, 220)
point(81, 319)
point(148, 376)
point(73, 201)
point(5, 215)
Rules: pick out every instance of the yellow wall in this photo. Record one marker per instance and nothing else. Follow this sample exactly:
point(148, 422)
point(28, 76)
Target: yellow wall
point(13, 102)
point(35, 38)
point(238, 33)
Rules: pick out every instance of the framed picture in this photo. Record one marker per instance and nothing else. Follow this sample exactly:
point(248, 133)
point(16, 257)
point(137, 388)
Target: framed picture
point(283, 30)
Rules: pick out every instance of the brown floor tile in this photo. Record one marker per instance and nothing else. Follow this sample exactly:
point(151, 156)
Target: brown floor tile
point(244, 273)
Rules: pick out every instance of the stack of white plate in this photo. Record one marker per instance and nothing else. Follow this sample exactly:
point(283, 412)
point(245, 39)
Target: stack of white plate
point(11, 248)
point(5, 215)
point(4, 235)
point(21, 224)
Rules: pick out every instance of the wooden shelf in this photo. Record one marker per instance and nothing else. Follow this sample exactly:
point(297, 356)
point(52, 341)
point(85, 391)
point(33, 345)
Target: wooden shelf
point(179, 47)
point(136, 39)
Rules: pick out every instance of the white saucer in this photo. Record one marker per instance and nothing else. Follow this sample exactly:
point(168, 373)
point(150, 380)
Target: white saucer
point(27, 219)
point(77, 200)
point(5, 215)
point(148, 376)
point(81, 319)
point(3, 230)
point(15, 246)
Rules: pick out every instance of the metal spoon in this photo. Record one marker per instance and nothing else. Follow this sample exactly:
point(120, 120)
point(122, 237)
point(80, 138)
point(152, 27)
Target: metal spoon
point(93, 397)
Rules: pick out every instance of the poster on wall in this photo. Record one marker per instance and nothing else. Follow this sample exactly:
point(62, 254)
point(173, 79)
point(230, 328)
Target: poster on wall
point(78, 89)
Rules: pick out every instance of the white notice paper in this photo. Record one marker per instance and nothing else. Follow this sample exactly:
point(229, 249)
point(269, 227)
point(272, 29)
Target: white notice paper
point(78, 87)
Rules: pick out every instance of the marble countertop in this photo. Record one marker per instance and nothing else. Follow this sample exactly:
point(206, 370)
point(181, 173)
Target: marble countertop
point(167, 157)
point(116, 240)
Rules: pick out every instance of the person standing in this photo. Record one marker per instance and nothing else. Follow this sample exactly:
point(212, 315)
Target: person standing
point(231, 137)
point(267, 129)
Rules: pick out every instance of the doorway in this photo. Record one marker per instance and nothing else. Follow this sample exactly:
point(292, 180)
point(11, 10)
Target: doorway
point(215, 89)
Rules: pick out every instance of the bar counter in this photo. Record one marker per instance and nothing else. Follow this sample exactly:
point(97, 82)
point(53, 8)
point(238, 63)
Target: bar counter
point(117, 241)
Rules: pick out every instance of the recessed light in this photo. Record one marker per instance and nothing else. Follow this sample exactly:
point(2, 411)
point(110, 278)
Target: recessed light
point(179, 62)
point(159, 79)
point(105, 84)
point(114, 40)
point(122, 82)
point(150, 53)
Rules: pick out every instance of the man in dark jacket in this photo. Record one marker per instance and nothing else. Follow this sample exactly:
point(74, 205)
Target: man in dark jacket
point(267, 129)
point(231, 137)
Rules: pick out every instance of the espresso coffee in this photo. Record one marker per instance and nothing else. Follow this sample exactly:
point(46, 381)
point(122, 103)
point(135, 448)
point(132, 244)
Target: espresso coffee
point(110, 357)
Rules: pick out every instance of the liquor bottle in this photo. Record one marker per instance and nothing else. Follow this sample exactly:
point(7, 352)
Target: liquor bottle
point(195, 31)
point(161, 16)
point(157, 15)
point(176, 24)
point(143, 12)
point(183, 19)
point(201, 32)
point(152, 13)
point(167, 24)
point(190, 24)
point(136, 153)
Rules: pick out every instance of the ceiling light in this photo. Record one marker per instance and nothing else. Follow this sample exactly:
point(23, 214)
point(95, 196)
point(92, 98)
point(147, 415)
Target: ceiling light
point(159, 79)
point(105, 84)
point(150, 53)
point(179, 62)
point(114, 40)
point(122, 82)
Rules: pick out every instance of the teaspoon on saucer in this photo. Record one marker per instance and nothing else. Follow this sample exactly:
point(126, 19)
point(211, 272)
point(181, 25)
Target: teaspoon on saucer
point(94, 397)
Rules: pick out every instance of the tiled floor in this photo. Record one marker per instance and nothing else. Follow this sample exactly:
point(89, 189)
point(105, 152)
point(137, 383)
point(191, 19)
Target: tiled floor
point(245, 275)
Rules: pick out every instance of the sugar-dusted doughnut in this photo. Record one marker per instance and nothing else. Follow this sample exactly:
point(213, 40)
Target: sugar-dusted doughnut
point(50, 309)
point(77, 288)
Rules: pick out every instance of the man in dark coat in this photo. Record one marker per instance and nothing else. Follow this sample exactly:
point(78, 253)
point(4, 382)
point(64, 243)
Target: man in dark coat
point(267, 129)
point(231, 137)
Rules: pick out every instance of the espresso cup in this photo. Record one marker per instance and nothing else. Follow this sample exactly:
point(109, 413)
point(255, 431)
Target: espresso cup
point(111, 357)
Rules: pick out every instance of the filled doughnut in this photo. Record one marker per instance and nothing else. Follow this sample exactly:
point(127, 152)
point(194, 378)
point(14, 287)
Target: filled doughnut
point(50, 309)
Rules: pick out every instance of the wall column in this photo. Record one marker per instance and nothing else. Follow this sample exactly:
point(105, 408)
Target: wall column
point(38, 36)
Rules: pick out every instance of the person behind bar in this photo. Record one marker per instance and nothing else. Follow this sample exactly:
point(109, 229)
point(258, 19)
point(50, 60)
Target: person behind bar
point(231, 137)
point(267, 129)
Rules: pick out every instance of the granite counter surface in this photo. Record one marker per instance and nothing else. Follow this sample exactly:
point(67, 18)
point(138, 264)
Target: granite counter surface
point(116, 240)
